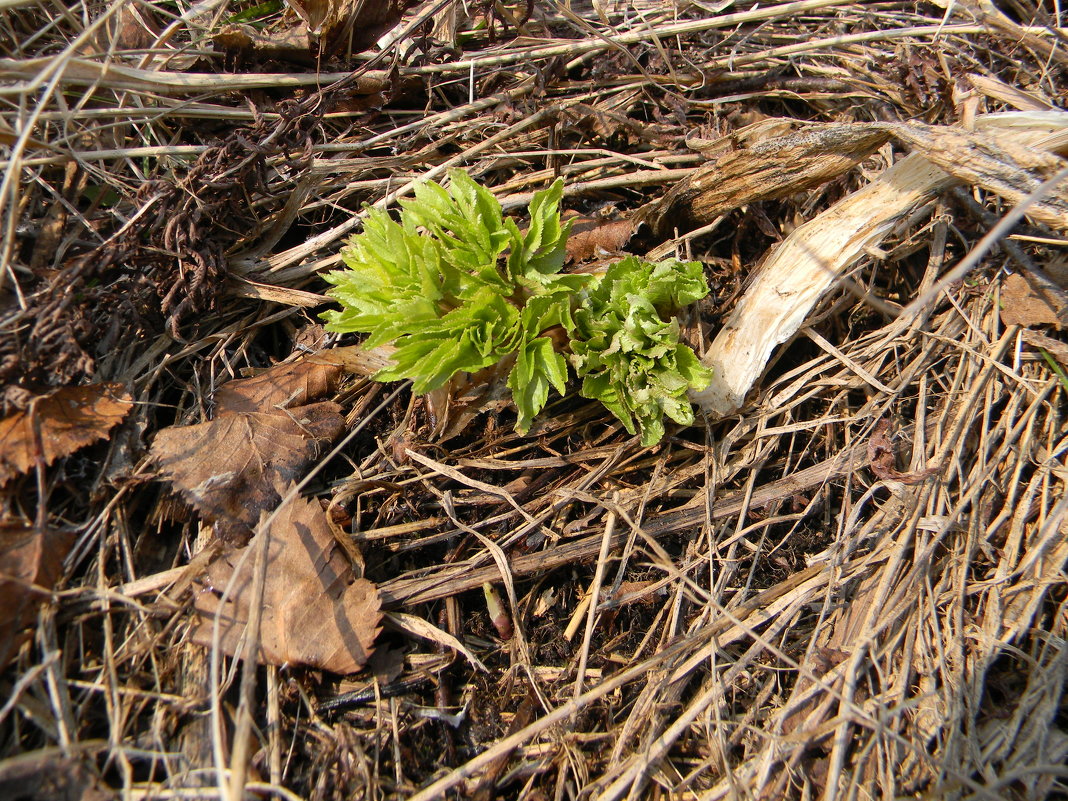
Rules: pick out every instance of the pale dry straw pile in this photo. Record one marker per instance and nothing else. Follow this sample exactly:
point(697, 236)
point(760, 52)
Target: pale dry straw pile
point(847, 581)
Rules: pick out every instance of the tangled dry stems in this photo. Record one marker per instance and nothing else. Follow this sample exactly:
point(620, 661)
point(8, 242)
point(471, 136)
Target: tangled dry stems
point(774, 619)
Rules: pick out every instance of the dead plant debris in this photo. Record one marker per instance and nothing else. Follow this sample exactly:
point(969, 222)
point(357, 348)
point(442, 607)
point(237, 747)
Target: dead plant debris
point(57, 424)
point(31, 561)
point(265, 433)
point(315, 611)
point(846, 579)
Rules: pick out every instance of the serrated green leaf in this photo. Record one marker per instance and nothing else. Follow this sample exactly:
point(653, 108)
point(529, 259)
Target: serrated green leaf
point(538, 366)
point(600, 387)
point(628, 355)
point(529, 400)
point(696, 375)
point(551, 364)
point(456, 287)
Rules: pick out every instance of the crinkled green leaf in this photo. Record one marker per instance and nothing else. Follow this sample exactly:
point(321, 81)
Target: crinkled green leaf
point(455, 286)
point(530, 390)
point(551, 364)
point(628, 356)
point(538, 366)
point(537, 256)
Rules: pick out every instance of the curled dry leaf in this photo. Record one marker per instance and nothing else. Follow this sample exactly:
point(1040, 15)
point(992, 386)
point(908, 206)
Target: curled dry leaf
point(66, 420)
point(604, 124)
point(598, 238)
point(882, 457)
point(289, 45)
point(266, 431)
point(228, 468)
point(355, 359)
point(296, 383)
point(315, 612)
point(134, 27)
point(31, 560)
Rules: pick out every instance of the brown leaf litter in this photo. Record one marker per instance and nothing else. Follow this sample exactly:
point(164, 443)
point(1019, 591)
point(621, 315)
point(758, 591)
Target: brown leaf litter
point(315, 611)
point(31, 561)
point(58, 424)
point(265, 433)
point(228, 467)
point(1036, 298)
point(593, 238)
point(882, 458)
point(816, 622)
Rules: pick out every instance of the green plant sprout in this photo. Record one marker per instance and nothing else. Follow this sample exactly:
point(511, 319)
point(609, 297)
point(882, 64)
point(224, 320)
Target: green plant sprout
point(455, 286)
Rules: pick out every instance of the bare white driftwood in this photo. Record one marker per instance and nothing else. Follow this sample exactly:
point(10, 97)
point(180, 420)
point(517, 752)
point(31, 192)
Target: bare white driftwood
point(810, 260)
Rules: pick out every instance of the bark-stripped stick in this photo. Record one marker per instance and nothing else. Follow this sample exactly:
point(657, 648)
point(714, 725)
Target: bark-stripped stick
point(811, 260)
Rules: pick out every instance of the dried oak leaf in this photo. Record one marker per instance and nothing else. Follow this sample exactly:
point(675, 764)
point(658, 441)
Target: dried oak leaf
point(67, 419)
point(315, 612)
point(31, 561)
point(228, 468)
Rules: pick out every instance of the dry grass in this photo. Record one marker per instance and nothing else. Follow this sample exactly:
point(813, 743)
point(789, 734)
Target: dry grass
point(774, 618)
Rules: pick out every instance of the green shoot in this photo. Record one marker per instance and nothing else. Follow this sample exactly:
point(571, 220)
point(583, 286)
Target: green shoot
point(455, 286)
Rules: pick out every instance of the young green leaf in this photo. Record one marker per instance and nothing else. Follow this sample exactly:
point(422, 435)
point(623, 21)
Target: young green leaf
point(537, 256)
point(538, 366)
point(457, 287)
point(628, 356)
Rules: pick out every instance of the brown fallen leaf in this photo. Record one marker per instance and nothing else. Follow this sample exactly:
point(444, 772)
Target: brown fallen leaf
point(1032, 300)
point(315, 612)
point(298, 382)
point(283, 386)
point(31, 561)
point(265, 432)
point(65, 420)
point(228, 468)
point(595, 239)
point(356, 359)
point(882, 456)
point(348, 26)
